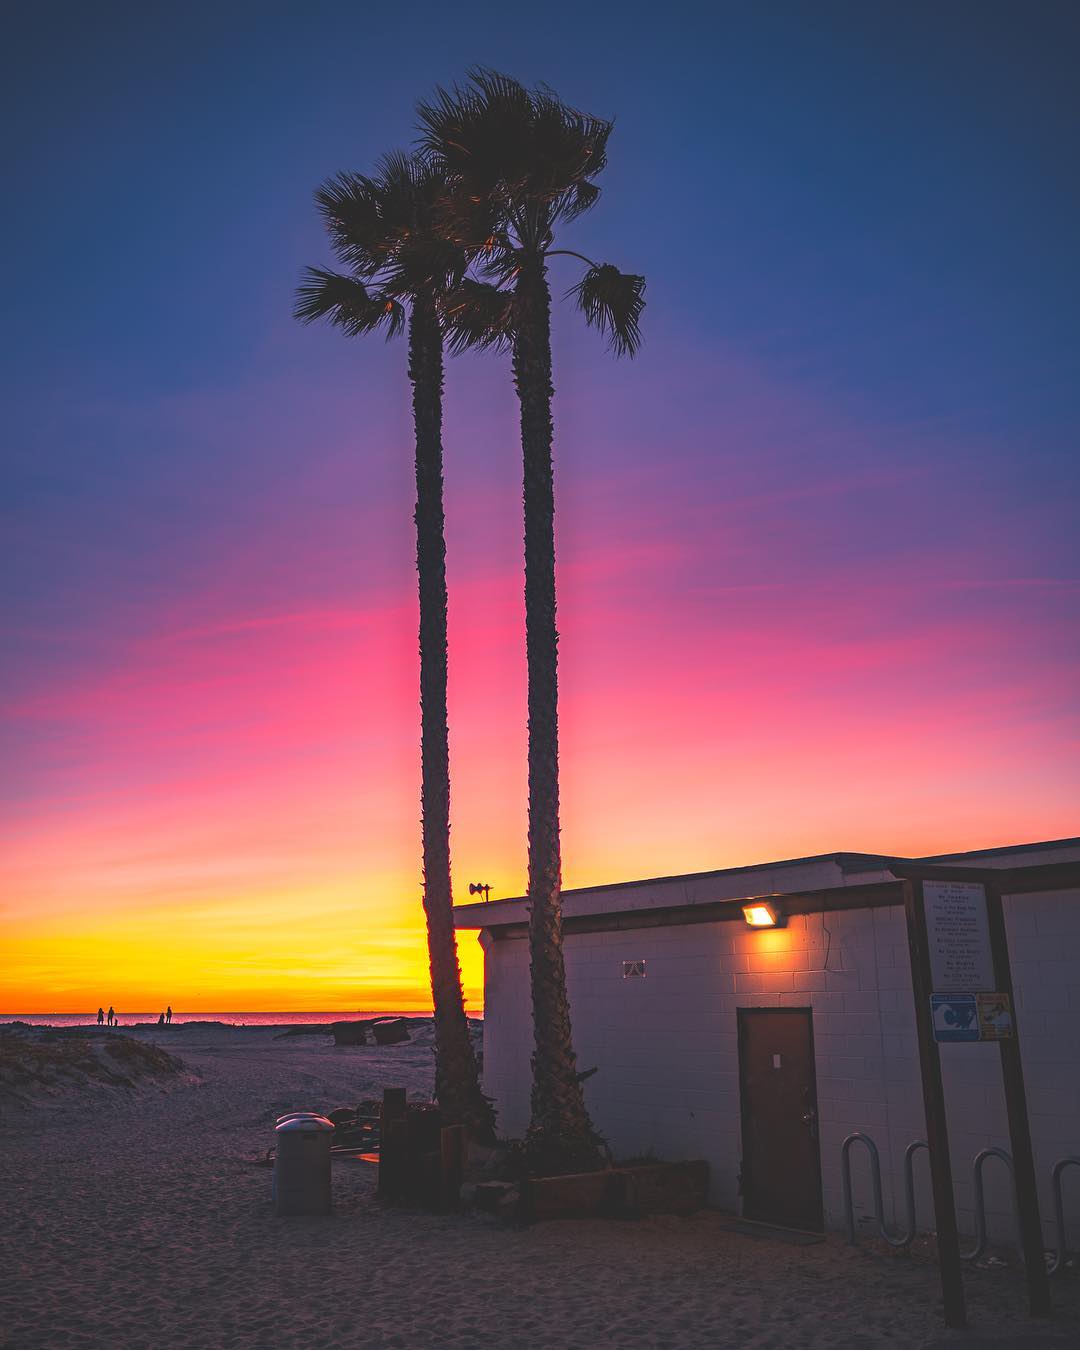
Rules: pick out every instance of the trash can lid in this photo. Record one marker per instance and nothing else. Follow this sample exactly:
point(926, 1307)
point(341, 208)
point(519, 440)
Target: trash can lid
point(298, 1115)
point(311, 1124)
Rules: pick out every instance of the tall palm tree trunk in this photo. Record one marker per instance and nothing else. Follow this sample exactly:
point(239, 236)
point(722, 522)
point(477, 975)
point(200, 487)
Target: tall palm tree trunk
point(561, 1136)
point(457, 1083)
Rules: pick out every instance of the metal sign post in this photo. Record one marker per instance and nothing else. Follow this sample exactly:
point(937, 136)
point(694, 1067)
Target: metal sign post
point(1012, 1072)
point(963, 991)
point(937, 1130)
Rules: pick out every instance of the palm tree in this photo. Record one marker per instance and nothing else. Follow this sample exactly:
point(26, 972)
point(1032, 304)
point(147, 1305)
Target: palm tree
point(521, 163)
point(384, 230)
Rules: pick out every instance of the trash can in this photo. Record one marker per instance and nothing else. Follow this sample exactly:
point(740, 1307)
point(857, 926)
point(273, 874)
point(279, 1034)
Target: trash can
point(290, 1115)
point(302, 1165)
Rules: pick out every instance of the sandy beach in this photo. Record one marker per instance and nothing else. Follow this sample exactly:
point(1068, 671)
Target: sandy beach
point(134, 1217)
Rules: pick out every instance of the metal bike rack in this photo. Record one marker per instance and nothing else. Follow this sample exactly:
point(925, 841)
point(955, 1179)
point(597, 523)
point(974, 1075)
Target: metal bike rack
point(907, 1237)
point(1053, 1265)
point(980, 1201)
point(1058, 1262)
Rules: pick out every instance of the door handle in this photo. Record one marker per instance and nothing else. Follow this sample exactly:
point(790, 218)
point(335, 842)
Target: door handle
point(810, 1121)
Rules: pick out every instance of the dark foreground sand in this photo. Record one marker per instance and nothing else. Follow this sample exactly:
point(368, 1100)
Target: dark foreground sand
point(135, 1219)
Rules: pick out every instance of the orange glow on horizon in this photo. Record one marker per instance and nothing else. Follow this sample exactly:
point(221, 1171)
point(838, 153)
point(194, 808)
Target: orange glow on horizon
point(300, 953)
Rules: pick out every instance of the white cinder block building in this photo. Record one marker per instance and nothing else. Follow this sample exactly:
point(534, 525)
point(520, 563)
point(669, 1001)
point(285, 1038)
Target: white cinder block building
point(761, 1050)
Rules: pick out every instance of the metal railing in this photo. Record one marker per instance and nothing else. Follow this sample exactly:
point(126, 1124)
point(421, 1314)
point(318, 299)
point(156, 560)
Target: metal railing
point(980, 1201)
point(1060, 1256)
point(1053, 1265)
point(906, 1238)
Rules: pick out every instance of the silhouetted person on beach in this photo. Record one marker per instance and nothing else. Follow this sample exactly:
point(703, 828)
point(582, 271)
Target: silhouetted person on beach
point(112, 1015)
point(100, 1016)
point(168, 1015)
point(161, 1019)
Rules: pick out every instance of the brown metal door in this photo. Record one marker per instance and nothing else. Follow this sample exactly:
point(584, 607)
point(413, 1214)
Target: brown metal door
point(781, 1162)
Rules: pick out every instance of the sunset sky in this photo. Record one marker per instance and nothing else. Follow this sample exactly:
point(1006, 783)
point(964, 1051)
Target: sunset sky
point(818, 558)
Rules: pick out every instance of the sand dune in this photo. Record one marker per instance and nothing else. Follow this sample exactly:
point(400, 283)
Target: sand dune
point(39, 1064)
point(138, 1220)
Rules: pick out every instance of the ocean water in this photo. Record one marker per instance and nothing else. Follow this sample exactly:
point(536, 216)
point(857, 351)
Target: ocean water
point(238, 1019)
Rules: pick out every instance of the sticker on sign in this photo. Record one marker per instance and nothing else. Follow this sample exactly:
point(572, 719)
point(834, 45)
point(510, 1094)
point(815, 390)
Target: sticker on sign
point(995, 1017)
point(956, 1017)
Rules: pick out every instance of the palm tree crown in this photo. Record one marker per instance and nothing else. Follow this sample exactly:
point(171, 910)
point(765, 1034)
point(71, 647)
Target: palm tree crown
point(519, 163)
point(386, 230)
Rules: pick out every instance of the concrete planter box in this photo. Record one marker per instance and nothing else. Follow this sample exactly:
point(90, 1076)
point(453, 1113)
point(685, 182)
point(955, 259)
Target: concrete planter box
point(619, 1192)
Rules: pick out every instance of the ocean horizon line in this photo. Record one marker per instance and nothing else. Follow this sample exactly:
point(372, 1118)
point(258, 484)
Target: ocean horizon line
point(250, 1016)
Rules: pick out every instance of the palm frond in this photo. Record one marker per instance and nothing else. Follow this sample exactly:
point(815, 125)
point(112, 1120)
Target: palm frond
point(612, 301)
point(468, 219)
point(424, 265)
point(580, 198)
point(347, 303)
point(478, 317)
point(498, 260)
point(408, 188)
point(569, 147)
point(351, 207)
point(480, 131)
point(388, 228)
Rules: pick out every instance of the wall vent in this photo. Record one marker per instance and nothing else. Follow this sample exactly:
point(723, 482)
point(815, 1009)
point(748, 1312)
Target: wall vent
point(633, 970)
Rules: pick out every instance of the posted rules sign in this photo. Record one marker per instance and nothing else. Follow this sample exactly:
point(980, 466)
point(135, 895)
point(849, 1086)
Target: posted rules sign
point(959, 936)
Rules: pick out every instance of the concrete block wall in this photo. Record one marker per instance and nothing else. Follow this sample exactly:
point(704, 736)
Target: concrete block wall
point(667, 1053)
point(508, 1041)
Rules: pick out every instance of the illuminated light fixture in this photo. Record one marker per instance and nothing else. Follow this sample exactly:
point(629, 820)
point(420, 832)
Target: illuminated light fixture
point(764, 914)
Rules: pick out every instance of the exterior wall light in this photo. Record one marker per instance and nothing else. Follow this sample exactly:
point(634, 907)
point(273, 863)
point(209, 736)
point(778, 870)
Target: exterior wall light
point(764, 914)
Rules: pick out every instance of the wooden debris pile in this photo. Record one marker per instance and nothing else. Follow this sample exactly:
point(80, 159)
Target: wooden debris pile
point(421, 1160)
